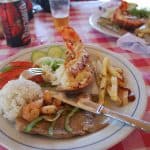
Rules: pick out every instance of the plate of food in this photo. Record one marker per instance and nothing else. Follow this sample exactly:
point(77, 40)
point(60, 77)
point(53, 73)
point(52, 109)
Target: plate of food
point(33, 116)
point(118, 20)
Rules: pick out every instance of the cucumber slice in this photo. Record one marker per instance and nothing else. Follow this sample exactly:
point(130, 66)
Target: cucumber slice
point(37, 55)
point(56, 51)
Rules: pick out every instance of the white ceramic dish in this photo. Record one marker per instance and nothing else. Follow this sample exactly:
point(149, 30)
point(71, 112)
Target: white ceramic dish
point(93, 22)
point(103, 139)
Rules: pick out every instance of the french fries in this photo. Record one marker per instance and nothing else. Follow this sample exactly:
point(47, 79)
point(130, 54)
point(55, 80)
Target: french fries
point(114, 88)
point(102, 91)
point(117, 72)
point(112, 83)
point(103, 83)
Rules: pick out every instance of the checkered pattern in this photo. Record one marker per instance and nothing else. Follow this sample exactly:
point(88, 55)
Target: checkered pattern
point(42, 32)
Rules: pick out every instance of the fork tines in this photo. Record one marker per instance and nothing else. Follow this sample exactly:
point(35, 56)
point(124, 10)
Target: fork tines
point(36, 70)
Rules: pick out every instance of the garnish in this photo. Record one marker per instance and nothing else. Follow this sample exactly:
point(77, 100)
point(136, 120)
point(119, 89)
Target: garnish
point(67, 120)
point(53, 63)
point(13, 71)
point(140, 13)
point(6, 68)
point(51, 128)
point(51, 119)
point(33, 123)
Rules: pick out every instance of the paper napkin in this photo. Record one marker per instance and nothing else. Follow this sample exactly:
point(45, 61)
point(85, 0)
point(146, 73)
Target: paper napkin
point(133, 43)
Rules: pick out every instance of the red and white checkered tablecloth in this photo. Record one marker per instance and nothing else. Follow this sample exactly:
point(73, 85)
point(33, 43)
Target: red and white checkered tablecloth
point(43, 32)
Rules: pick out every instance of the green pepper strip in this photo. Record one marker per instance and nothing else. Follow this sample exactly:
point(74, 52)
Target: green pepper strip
point(33, 123)
point(51, 128)
point(67, 120)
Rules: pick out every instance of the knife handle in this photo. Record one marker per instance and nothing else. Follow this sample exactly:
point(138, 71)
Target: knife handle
point(141, 124)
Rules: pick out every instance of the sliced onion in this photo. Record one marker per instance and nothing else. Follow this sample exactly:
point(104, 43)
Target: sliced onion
point(51, 119)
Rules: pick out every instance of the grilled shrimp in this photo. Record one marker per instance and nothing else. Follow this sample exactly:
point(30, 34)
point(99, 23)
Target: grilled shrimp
point(77, 56)
point(77, 72)
point(121, 17)
point(32, 110)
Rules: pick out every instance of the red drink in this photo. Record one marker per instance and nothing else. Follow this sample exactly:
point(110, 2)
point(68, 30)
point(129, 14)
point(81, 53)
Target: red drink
point(29, 8)
point(14, 18)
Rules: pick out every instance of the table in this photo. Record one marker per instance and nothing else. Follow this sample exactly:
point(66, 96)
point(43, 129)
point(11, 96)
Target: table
point(42, 32)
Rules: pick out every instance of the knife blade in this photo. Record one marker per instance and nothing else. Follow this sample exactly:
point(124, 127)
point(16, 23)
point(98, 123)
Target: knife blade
point(84, 102)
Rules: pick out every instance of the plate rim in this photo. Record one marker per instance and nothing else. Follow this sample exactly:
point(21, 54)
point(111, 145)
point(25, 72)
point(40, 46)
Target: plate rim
point(95, 46)
point(99, 29)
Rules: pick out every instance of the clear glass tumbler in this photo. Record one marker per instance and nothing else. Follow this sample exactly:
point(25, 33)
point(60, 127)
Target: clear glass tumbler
point(60, 12)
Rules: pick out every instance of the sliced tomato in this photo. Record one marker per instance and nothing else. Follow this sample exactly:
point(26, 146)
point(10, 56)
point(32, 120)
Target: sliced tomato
point(21, 64)
point(3, 82)
point(11, 74)
point(14, 71)
point(16, 65)
point(37, 79)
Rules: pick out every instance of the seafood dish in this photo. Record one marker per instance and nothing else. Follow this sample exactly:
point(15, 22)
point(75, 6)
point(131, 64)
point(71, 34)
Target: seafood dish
point(34, 105)
point(144, 32)
point(125, 18)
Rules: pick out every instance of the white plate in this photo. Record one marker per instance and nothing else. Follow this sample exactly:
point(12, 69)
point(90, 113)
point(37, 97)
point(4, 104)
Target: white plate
point(103, 139)
point(93, 22)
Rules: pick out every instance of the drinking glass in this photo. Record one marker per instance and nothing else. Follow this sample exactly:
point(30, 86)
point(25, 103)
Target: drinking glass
point(60, 12)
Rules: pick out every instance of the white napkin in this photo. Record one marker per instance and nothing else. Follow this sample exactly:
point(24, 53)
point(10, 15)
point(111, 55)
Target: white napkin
point(133, 43)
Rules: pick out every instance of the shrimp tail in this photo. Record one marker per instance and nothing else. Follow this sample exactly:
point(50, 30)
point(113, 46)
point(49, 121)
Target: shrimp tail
point(70, 37)
point(77, 56)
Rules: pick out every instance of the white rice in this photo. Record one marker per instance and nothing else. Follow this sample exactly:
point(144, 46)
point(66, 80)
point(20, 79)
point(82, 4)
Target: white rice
point(15, 94)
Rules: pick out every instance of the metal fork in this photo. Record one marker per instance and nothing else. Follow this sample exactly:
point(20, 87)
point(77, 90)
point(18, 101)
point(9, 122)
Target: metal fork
point(29, 73)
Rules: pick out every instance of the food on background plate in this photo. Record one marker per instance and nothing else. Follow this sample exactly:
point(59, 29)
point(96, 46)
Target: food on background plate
point(126, 17)
point(74, 71)
point(109, 24)
point(144, 32)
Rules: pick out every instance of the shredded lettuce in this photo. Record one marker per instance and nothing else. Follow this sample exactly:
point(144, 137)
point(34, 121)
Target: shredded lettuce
point(53, 63)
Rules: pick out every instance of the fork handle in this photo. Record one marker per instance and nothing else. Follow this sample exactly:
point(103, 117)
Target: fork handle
point(144, 125)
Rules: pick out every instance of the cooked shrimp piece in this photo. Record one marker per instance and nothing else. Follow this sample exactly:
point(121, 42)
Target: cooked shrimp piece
point(57, 102)
point(47, 97)
point(49, 109)
point(32, 110)
point(77, 56)
point(121, 18)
